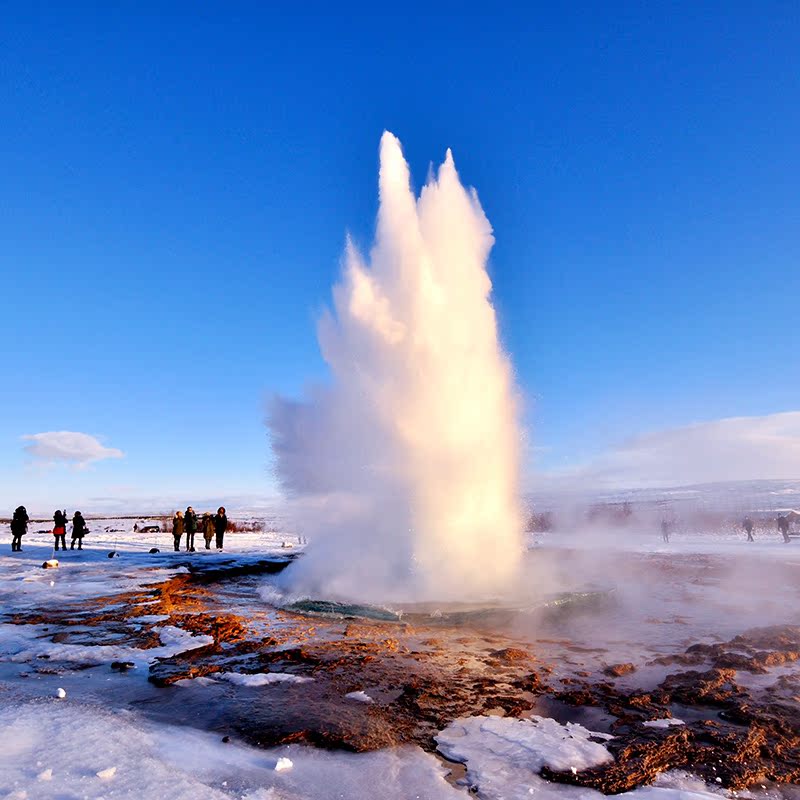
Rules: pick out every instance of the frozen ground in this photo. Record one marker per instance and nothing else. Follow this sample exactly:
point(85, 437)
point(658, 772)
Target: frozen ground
point(98, 742)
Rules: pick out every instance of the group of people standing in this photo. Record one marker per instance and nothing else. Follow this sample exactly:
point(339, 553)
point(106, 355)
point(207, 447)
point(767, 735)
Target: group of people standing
point(784, 522)
point(210, 525)
point(19, 527)
point(79, 529)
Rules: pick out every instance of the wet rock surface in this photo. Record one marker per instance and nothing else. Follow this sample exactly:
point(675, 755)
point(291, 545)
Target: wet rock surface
point(739, 698)
point(746, 736)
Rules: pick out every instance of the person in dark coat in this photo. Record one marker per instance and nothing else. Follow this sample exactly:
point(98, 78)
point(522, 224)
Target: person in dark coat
point(19, 527)
point(783, 527)
point(60, 528)
point(207, 526)
point(747, 524)
point(177, 530)
point(79, 530)
point(220, 526)
point(190, 526)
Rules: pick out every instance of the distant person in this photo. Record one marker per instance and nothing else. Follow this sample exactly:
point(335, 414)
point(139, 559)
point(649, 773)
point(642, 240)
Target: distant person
point(666, 530)
point(177, 530)
point(190, 526)
point(208, 529)
point(220, 526)
point(79, 530)
point(19, 527)
point(135, 527)
point(783, 527)
point(747, 524)
point(60, 528)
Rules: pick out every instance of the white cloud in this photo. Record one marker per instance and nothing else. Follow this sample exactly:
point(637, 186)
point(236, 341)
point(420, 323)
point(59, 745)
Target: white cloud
point(71, 447)
point(734, 449)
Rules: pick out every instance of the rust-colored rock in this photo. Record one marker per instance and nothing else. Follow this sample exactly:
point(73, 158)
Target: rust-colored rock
point(618, 670)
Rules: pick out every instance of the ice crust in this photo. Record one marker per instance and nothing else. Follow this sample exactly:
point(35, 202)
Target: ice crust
point(504, 755)
point(262, 678)
point(89, 752)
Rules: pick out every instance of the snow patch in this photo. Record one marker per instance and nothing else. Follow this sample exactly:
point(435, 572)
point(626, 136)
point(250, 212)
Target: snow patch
point(503, 757)
point(262, 678)
point(498, 744)
point(25, 643)
point(663, 723)
point(203, 680)
point(362, 697)
point(106, 774)
point(163, 762)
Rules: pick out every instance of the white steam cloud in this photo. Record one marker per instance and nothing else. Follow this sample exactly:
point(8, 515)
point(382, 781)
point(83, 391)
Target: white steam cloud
point(405, 469)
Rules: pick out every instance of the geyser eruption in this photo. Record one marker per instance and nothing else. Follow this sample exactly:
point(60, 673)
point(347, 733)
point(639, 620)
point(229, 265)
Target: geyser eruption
point(404, 470)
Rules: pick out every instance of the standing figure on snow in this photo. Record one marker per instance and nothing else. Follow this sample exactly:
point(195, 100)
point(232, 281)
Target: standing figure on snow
point(666, 529)
point(208, 529)
point(60, 528)
point(220, 526)
point(783, 527)
point(78, 531)
point(747, 524)
point(190, 526)
point(177, 530)
point(19, 527)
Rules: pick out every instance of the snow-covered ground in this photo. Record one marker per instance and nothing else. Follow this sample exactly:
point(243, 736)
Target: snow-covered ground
point(94, 742)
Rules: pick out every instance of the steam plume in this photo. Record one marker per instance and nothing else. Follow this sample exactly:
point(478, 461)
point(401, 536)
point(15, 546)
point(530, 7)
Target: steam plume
point(404, 470)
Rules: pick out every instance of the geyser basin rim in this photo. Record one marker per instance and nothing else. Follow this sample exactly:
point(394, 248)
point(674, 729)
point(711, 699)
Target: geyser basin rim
point(445, 612)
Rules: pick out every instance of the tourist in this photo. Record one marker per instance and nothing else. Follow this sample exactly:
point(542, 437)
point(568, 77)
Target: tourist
point(220, 526)
point(19, 527)
point(666, 529)
point(208, 529)
point(783, 527)
point(79, 530)
point(177, 530)
point(60, 528)
point(747, 524)
point(190, 526)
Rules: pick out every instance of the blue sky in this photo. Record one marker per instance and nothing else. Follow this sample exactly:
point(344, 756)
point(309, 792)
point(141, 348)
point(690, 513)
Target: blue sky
point(177, 184)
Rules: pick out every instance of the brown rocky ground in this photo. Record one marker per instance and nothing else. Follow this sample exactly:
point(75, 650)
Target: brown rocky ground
point(421, 677)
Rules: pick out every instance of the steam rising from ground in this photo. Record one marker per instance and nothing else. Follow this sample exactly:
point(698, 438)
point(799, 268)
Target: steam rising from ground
point(405, 468)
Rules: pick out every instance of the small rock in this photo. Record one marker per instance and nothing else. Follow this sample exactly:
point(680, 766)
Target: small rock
point(618, 670)
point(283, 763)
point(226, 739)
point(60, 693)
point(510, 654)
point(122, 666)
point(46, 775)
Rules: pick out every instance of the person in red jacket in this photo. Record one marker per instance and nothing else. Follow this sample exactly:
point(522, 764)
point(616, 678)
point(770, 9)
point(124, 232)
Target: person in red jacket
point(60, 528)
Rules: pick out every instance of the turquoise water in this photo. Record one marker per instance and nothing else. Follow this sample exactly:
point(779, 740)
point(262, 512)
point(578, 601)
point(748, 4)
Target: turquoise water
point(451, 615)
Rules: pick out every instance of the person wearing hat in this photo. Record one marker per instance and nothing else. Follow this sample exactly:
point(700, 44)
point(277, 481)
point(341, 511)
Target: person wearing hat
point(78, 531)
point(19, 527)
